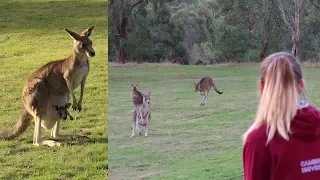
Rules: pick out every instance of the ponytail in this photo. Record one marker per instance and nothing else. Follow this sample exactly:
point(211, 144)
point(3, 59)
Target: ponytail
point(280, 75)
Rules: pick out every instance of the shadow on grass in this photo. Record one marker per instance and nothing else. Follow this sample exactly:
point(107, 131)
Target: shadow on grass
point(75, 141)
point(17, 16)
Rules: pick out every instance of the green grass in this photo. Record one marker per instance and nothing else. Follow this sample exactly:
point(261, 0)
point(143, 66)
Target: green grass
point(186, 140)
point(32, 34)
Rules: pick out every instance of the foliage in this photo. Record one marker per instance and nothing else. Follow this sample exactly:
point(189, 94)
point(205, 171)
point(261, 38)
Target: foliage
point(234, 30)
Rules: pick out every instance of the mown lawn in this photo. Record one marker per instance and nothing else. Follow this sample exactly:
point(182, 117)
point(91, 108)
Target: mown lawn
point(186, 140)
point(32, 34)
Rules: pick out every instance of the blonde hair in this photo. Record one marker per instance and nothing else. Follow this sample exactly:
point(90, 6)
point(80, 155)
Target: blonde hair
point(280, 76)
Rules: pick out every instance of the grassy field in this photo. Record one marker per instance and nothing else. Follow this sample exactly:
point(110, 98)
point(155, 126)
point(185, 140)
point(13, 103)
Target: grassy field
point(186, 140)
point(32, 34)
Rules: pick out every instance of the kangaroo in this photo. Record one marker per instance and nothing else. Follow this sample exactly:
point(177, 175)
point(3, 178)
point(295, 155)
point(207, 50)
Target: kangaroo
point(51, 85)
point(137, 97)
point(62, 111)
point(204, 87)
point(141, 116)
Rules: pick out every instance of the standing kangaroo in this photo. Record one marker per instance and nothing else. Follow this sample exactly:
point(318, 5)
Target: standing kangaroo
point(137, 98)
point(51, 85)
point(141, 116)
point(204, 87)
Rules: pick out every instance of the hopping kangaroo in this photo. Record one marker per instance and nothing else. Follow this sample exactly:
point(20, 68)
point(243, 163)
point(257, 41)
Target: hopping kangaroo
point(50, 86)
point(204, 87)
point(141, 116)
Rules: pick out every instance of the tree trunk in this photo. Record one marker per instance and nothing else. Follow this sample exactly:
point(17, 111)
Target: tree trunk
point(264, 48)
point(122, 55)
point(296, 32)
point(294, 27)
point(122, 30)
point(265, 41)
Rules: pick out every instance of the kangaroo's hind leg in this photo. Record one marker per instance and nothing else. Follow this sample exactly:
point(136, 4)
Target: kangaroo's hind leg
point(37, 141)
point(55, 132)
point(204, 99)
point(148, 117)
point(35, 99)
point(37, 132)
point(134, 118)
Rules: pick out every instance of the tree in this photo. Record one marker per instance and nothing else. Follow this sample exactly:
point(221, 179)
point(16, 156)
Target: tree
point(294, 26)
point(123, 7)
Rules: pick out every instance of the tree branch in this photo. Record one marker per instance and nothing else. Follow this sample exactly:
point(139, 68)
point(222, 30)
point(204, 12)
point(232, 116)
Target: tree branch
point(140, 1)
point(283, 15)
point(312, 2)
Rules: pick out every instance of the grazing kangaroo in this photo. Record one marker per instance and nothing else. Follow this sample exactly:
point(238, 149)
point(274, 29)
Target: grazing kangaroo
point(141, 121)
point(62, 111)
point(51, 85)
point(204, 87)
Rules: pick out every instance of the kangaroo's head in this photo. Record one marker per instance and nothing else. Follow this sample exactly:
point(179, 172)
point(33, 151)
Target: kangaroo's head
point(146, 99)
point(134, 87)
point(62, 111)
point(82, 43)
point(140, 119)
point(196, 86)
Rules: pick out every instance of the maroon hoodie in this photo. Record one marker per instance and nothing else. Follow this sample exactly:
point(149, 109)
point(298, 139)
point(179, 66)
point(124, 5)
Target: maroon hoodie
point(296, 159)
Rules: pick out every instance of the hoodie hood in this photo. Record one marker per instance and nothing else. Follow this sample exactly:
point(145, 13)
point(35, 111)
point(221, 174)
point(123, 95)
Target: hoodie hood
point(306, 124)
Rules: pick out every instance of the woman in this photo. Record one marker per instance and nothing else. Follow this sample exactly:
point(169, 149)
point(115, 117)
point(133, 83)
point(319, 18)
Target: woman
point(284, 140)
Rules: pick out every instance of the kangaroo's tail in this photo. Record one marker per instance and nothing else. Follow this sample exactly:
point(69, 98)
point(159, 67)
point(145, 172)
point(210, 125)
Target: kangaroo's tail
point(216, 89)
point(21, 125)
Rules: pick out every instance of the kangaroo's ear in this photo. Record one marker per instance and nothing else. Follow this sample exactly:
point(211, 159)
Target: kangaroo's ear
point(55, 107)
point(67, 105)
point(74, 35)
point(149, 93)
point(87, 32)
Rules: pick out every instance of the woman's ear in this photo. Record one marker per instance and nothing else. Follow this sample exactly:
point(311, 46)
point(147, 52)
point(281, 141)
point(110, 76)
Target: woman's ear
point(301, 86)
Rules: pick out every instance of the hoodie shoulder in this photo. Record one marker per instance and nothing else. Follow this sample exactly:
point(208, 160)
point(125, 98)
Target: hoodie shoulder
point(258, 136)
point(256, 155)
point(306, 124)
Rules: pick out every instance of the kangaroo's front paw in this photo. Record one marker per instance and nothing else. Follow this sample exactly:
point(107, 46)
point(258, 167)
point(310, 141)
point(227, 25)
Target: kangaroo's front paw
point(74, 105)
point(79, 106)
